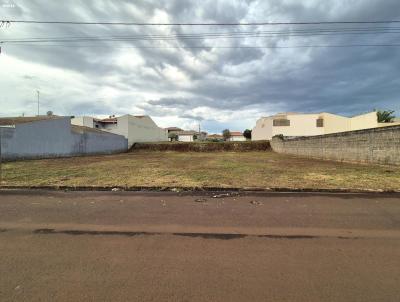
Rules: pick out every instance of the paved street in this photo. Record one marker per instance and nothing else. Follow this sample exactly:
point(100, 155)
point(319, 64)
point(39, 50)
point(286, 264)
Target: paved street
point(125, 246)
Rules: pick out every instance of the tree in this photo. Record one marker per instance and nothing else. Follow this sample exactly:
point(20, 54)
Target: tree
point(195, 137)
point(49, 113)
point(247, 133)
point(173, 136)
point(385, 116)
point(226, 134)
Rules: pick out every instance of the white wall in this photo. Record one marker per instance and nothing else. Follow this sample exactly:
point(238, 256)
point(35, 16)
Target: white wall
point(185, 138)
point(305, 125)
point(262, 130)
point(55, 138)
point(300, 125)
point(364, 121)
point(45, 138)
point(138, 129)
point(237, 139)
point(335, 123)
point(86, 121)
point(88, 141)
point(135, 129)
point(143, 129)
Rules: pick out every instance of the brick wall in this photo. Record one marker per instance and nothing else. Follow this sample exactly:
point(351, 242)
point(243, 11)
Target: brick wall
point(377, 145)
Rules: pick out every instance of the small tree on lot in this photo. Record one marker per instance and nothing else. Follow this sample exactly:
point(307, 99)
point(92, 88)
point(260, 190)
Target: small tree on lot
point(226, 134)
point(194, 137)
point(173, 136)
point(385, 116)
point(247, 133)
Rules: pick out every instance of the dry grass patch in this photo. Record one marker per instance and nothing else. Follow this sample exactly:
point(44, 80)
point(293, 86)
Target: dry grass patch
point(221, 169)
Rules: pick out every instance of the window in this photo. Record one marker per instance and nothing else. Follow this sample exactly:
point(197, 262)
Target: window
point(320, 122)
point(281, 122)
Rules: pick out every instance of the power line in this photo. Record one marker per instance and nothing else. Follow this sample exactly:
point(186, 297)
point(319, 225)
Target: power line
point(199, 24)
point(44, 41)
point(223, 35)
point(317, 30)
point(225, 47)
point(150, 38)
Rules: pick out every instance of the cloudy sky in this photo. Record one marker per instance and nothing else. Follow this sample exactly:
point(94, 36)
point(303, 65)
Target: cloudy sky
point(220, 82)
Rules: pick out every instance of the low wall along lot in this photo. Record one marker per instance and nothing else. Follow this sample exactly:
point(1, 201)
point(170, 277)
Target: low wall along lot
point(377, 145)
point(203, 146)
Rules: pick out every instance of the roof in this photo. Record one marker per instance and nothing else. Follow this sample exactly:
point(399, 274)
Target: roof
point(174, 129)
point(215, 136)
point(78, 129)
point(236, 133)
point(291, 113)
point(6, 121)
point(109, 120)
point(114, 119)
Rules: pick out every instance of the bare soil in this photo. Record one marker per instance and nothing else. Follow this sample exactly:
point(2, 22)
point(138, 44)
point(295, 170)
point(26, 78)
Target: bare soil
point(201, 169)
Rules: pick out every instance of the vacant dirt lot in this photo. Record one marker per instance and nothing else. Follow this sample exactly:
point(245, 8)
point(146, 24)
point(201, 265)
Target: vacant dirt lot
point(222, 169)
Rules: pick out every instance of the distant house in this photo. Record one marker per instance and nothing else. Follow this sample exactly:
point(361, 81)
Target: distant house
point(215, 137)
point(237, 136)
point(172, 133)
point(191, 136)
point(54, 136)
point(298, 124)
point(187, 136)
point(135, 128)
point(173, 130)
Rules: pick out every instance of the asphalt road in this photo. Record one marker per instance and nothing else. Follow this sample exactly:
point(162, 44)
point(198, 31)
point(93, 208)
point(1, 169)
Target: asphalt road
point(120, 246)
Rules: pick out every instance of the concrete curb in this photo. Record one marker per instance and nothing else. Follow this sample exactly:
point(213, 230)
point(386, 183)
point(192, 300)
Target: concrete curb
point(194, 189)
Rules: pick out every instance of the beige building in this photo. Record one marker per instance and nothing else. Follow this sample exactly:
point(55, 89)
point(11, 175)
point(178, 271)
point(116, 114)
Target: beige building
point(173, 130)
point(216, 137)
point(237, 136)
point(187, 136)
point(135, 128)
point(191, 136)
point(298, 124)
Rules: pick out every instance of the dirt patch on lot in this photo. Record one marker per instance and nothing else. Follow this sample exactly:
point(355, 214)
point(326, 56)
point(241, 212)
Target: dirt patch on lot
point(247, 170)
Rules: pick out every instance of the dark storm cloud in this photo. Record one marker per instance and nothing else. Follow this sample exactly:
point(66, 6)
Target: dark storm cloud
point(171, 102)
point(173, 81)
point(192, 117)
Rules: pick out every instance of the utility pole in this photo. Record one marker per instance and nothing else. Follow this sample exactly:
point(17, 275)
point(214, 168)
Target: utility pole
point(199, 133)
point(38, 102)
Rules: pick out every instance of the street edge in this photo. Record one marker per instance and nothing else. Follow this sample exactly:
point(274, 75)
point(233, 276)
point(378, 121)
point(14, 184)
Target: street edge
point(194, 189)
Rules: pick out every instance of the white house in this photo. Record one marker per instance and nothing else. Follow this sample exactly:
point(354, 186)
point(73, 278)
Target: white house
point(298, 124)
point(237, 136)
point(134, 128)
point(215, 137)
point(187, 136)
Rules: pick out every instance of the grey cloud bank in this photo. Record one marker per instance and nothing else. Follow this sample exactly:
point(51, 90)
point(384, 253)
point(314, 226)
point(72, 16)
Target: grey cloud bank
point(219, 87)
